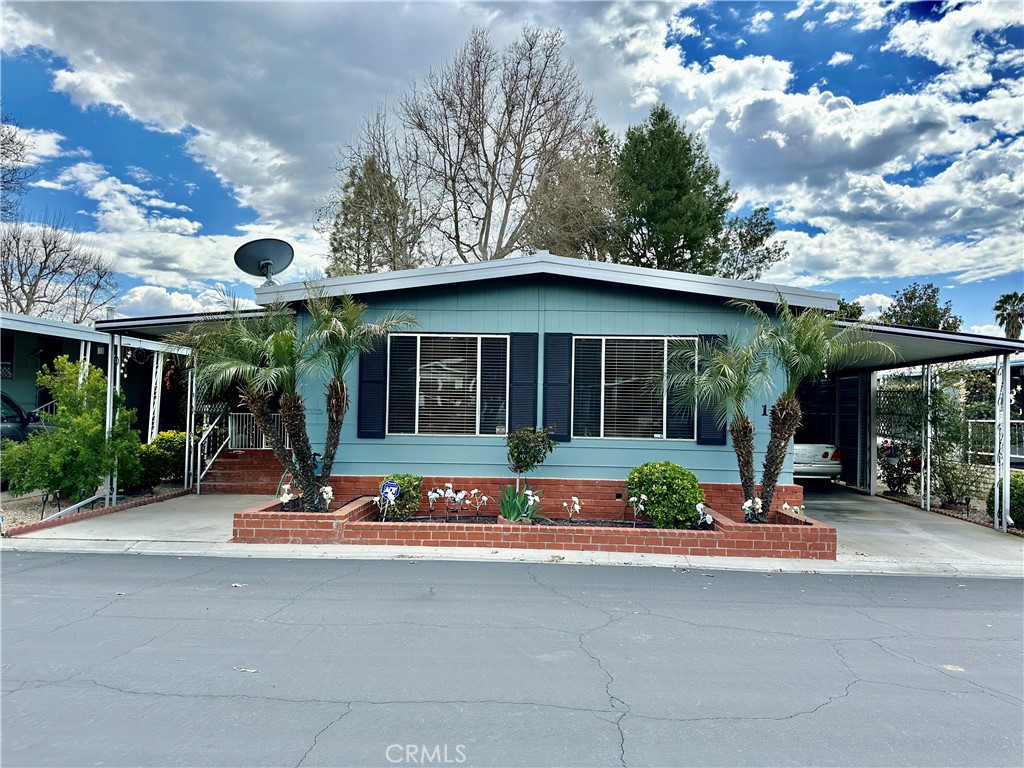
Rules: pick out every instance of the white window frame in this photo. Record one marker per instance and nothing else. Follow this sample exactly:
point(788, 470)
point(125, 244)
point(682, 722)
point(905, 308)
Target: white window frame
point(664, 398)
point(479, 383)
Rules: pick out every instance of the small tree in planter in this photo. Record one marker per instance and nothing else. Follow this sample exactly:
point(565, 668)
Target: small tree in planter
point(527, 449)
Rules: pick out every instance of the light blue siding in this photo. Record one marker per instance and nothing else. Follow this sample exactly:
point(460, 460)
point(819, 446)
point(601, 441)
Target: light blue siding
point(543, 305)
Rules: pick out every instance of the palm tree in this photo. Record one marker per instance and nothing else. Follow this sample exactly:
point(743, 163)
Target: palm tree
point(343, 334)
point(261, 356)
point(725, 375)
point(803, 346)
point(1009, 309)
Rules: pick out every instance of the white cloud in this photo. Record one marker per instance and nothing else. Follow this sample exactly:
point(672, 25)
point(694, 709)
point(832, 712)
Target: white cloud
point(874, 304)
point(149, 300)
point(839, 57)
point(45, 145)
point(987, 330)
point(122, 207)
point(759, 23)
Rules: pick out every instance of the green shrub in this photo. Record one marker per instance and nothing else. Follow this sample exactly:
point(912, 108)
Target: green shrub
point(672, 492)
point(173, 445)
point(1016, 499)
point(408, 502)
point(152, 467)
point(75, 454)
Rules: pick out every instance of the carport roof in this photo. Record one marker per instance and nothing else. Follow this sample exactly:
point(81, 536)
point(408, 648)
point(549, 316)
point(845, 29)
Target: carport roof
point(920, 346)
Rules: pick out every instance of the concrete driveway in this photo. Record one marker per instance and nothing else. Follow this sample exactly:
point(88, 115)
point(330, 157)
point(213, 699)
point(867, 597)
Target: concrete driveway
point(874, 529)
point(184, 519)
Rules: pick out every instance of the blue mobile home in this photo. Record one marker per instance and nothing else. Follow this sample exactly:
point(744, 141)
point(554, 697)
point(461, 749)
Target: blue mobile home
point(535, 341)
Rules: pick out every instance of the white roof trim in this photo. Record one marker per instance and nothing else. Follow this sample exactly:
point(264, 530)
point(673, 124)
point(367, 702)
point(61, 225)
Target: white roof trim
point(546, 263)
point(43, 326)
point(10, 321)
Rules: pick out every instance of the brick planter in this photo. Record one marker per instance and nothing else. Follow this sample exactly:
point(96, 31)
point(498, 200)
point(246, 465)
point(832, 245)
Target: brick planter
point(786, 536)
point(602, 499)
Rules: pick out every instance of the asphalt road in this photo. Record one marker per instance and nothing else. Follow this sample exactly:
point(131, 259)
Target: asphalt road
point(135, 660)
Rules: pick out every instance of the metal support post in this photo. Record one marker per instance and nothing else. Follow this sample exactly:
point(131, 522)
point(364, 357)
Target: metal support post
point(926, 469)
point(1001, 455)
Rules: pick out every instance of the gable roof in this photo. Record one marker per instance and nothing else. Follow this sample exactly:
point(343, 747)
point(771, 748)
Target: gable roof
point(547, 264)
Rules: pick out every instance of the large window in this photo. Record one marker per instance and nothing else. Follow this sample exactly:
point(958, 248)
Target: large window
point(617, 390)
point(448, 385)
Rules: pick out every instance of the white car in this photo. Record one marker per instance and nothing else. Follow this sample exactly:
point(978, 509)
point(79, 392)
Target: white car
point(816, 461)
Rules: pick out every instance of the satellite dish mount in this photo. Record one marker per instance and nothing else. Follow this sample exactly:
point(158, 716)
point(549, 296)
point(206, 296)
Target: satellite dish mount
point(265, 257)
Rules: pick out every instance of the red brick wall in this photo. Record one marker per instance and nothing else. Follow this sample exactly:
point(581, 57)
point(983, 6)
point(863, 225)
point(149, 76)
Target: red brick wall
point(786, 536)
point(601, 499)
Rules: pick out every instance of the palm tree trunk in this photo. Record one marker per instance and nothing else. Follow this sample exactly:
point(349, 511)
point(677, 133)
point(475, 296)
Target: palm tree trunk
point(742, 431)
point(293, 415)
point(337, 407)
point(785, 420)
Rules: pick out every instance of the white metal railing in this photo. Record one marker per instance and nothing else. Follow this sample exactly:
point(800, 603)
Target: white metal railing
point(981, 437)
point(214, 438)
point(245, 434)
point(49, 409)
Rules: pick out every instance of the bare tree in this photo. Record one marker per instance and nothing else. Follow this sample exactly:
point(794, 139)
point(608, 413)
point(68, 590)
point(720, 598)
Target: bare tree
point(15, 170)
point(46, 271)
point(489, 126)
point(577, 210)
point(377, 217)
point(472, 144)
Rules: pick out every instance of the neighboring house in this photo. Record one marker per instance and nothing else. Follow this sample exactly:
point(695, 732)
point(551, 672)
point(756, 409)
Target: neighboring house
point(536, 341)
point(28, 343)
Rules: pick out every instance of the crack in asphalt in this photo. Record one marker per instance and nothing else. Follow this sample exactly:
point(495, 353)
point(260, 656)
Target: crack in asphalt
point(316, 736)
point(75, 681)
point(308, 589)
point(1006, 698)
point(619, 707)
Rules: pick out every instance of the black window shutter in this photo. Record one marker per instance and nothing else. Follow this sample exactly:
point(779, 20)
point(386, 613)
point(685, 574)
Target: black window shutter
point(558, 384)
point(709, 432)
point(401, 384)
point(372, 392)
point(522, 390)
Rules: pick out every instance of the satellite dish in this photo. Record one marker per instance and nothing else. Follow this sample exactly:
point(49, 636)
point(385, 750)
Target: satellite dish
point(265, 257)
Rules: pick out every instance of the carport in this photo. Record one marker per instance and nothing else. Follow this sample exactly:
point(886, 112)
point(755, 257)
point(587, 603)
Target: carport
point(844, 404)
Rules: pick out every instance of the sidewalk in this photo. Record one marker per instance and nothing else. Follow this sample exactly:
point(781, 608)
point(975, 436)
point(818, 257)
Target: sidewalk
point(875, 537)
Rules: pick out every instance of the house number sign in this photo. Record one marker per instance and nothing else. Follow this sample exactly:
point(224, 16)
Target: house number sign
point(389, 489)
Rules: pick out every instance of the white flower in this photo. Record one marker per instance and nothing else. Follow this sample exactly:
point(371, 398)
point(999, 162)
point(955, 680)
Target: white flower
point(483, 499)
point(432, 496)
point(746, 504)
point(786, 506)
point(474, 492)
point(700, 509)
point(448, 486)
point(575, 500)
point(286, 487)
point(643, 497)
point(327, 492)
point(708, 518)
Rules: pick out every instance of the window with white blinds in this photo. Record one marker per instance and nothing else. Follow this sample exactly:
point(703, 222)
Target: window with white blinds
point(617, 390)
point(448, 385)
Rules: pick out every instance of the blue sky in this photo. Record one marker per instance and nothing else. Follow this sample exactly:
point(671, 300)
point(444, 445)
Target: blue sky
point(888, 138)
